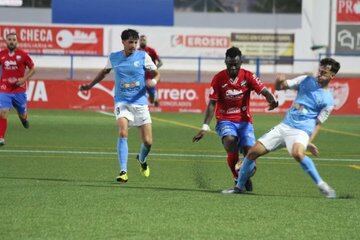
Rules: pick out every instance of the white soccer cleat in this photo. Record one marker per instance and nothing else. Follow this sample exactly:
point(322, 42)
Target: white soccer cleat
point(2, 142)
point(327, 190)
point(228, 191)
point(234, 190)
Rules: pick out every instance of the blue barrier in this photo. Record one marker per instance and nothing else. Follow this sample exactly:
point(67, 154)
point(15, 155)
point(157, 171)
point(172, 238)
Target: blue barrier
point(257, 61)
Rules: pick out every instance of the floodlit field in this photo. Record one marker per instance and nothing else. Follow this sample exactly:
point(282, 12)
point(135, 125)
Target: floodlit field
point(57, 182)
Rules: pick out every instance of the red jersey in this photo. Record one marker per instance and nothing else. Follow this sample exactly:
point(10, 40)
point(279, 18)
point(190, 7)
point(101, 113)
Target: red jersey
point(233, 97)
point(154, 57)
point(152, 53)
point(12, 68)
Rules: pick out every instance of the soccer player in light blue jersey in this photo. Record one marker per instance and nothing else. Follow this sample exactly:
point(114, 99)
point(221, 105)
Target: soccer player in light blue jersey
point(312, 106)
point(131, 104)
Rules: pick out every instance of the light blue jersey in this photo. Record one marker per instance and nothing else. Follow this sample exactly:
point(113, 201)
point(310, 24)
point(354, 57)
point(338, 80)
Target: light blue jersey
point(130, 85)
point(310, 104)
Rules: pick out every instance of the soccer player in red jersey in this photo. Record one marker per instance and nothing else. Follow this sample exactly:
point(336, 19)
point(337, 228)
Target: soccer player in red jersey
point(157, 61)
point(14, 62)
point(229, 99)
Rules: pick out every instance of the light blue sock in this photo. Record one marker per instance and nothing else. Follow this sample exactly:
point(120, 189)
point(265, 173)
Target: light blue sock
point(308, 165)
point(245, 171)
point(144, 151)
point(123, 152)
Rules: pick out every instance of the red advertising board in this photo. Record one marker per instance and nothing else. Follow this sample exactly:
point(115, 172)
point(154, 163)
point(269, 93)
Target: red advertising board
point(175, 97)
point(348, 11)
point(56, 40)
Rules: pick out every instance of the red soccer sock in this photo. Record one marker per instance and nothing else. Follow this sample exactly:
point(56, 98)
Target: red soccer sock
point(3, 127)
point(232, 158)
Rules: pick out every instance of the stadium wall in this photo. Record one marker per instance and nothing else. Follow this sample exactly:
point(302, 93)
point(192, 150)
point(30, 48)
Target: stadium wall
point(181, 46)
point(175, 97)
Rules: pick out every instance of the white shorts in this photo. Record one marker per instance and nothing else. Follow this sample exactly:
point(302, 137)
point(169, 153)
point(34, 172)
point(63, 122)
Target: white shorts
point(137, 115)
point(283, 135)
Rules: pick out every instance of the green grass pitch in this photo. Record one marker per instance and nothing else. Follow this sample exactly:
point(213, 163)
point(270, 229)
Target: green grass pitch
point(57, 182)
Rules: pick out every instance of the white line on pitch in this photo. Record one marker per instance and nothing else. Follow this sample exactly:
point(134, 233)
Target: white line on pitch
point(162, 154)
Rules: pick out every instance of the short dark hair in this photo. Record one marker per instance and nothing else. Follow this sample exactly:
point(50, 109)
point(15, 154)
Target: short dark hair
point(335, 66)
point(233, 52)
point(11, 33)
point(129, 33)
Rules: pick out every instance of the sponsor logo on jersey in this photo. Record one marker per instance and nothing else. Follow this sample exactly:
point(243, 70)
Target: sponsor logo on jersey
point(10, 65)
point(233, 110)
point(233, 93)
point(137, 64)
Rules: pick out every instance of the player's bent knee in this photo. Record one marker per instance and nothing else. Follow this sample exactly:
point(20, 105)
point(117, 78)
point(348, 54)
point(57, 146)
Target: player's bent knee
point(230, 139)
point(256, 151)
point(298, 155)
point(123, 134)
point(252, 154)
point(148, 142)
point(230, 143)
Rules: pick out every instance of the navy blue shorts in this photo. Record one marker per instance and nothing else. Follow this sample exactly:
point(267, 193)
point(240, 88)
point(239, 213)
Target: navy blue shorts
point(244, 131)
point(16, 100)
point(151, 91)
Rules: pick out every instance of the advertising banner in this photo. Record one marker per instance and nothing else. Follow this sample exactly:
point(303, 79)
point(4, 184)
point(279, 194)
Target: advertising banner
point(278, 48)
point(56, 40)
point(181, 41)
point(347, 39)
point(348, 11)
point(175, 97)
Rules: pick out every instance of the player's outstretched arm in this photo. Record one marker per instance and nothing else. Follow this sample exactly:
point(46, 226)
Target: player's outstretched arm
point(280, 82)
point(155, 80)
point(311, 146)
point(99, 77)
point(208, 117)
point(270, 99)
point(321, 118)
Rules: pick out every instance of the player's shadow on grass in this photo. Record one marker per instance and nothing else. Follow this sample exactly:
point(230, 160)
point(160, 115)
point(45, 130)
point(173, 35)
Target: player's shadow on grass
point(95, 183)
point(346, 196)
point(173, 189)
point(55, 179)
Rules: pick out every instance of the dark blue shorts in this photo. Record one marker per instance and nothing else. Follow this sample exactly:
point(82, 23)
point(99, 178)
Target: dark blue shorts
point(16, 100)
point(244, 131)
point(151, 91)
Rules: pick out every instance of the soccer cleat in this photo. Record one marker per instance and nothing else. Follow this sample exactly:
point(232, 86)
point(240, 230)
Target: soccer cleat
point(144, 168)
point(25, 123)
point(123, 177)
point(248, 185)
point(234, 190)
point(327, 190)
point(2, 142)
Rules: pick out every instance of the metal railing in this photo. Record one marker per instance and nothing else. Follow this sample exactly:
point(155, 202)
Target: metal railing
point(198, 66)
